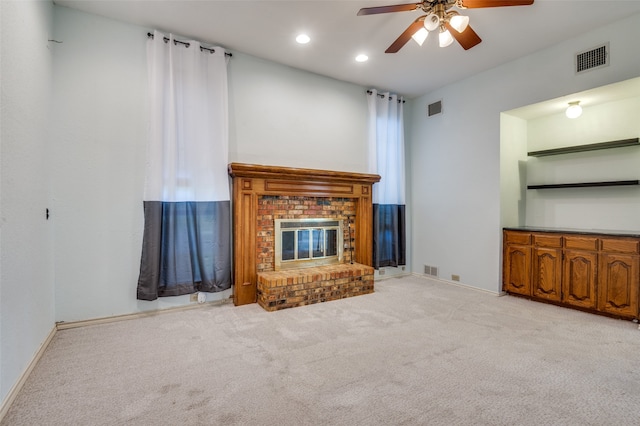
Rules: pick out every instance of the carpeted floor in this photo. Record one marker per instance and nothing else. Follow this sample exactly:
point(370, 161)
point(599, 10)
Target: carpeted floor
point(416, 352)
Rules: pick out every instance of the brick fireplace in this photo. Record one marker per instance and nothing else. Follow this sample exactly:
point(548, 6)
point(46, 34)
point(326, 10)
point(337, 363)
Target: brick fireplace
point(262, 194)
point(271, 208)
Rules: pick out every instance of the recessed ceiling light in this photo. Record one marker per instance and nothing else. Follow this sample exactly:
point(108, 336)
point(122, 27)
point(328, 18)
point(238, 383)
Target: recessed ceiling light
point(362, 58)
point(303, 39)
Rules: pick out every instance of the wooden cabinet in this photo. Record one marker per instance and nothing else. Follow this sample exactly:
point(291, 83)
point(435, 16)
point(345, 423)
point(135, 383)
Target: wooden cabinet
point(579, 278)
point(547, 267)
point(517, 271)
point(579, 271)
point(600, 273)
point(618, 284)
point(517, 277)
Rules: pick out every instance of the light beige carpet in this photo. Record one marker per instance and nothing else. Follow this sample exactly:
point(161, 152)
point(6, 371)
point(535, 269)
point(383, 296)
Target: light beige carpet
point(415, 352)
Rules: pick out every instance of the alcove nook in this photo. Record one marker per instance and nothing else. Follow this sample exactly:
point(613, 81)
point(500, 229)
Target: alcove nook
point(264, 194)
point(570, 201)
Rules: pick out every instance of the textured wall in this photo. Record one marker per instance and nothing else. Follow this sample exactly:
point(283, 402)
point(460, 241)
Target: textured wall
point(26, 237)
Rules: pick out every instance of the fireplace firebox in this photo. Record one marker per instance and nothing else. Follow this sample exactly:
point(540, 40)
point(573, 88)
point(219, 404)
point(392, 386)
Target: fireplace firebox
point(301, 243)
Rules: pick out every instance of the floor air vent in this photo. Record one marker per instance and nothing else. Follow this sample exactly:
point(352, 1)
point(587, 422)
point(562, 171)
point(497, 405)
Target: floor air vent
point(593, 58)
point(434, 108)
point(431, 270)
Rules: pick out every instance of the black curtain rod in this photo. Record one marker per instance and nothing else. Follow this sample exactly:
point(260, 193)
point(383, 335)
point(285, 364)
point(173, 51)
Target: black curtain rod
point(186, 44)
point(381, 96)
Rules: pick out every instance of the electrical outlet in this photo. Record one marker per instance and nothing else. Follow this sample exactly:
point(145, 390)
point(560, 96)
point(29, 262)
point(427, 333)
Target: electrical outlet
point(193, 297)
point(455, 277)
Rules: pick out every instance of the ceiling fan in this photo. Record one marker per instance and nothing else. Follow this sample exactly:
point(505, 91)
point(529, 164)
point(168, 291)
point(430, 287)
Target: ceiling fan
point(439, 16)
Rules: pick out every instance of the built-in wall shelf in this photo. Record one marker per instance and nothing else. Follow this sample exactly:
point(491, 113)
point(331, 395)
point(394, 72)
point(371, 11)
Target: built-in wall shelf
point(583, 148)
point(586, 184)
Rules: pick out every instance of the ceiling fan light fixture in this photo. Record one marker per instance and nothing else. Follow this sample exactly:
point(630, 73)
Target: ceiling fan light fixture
point(420, 36)
point(459, 22)
point(574, 110)
point(445, 38)
point(431, 22)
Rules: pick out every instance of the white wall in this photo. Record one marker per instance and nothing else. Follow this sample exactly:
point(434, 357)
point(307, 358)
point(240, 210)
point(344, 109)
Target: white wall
point(456, 155)
point(284, 117)
point(99, 131)
point(513, 170)
point(26, 238)
point(278, 116)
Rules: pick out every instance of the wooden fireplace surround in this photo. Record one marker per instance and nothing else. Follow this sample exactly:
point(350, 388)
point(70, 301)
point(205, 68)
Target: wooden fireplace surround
point(251, 181)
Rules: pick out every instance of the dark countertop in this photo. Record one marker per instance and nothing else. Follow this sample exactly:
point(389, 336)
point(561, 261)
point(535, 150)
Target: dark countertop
point(618, 233)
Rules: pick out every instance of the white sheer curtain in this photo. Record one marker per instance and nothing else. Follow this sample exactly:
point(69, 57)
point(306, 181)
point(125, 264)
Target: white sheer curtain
point(386, 158)
point(189, 142)
point(186, 245)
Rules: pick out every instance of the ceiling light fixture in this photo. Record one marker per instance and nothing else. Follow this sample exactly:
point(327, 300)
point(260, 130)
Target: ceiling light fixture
point(445, 38)
point(459, 22)
point(437, 20)
point(574, 110)
point(362, 58)
point(431, 22)
point(420, 36)
point(303, 39)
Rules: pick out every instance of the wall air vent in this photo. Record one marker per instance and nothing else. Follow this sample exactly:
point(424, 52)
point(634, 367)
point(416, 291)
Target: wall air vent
point(593, 58)
point(434, 108)
point(431, 270)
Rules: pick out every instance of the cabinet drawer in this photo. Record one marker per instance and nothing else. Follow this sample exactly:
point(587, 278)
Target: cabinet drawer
point(547, 240)
point(619, 245)
point(581, 243)
point(517, 237)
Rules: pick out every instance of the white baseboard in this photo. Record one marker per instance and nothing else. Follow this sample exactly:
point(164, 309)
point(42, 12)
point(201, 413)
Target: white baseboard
point(388, 277)
point(457, 284)
point(15, 389)
point(63, 325)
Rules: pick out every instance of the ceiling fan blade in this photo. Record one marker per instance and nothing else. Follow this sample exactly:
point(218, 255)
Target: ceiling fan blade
point(388, 9)
point(475, 4)
point(405, 36)
point(467, 39)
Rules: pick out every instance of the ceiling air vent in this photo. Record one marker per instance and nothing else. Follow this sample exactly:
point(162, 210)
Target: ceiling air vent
point(434, 108)
point(594, 58)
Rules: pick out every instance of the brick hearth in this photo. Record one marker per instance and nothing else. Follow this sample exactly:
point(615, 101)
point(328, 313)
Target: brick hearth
point(305, 286)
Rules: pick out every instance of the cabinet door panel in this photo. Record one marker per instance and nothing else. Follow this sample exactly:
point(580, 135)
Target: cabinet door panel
point(618, 284)
point(517, 270)
point(579, 278)
point(547, 273)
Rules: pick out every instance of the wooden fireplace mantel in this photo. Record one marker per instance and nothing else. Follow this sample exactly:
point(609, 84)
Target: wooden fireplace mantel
point(252, 181)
